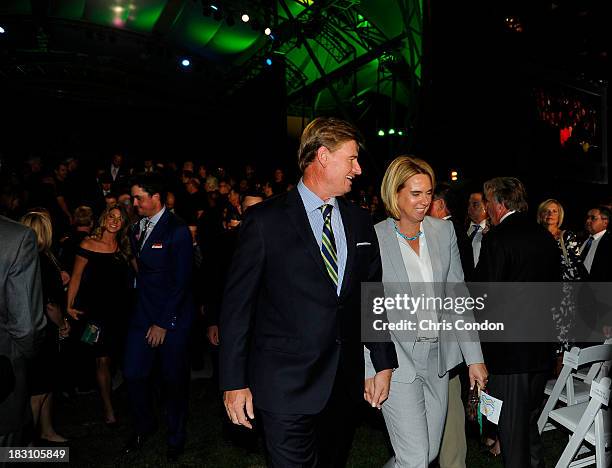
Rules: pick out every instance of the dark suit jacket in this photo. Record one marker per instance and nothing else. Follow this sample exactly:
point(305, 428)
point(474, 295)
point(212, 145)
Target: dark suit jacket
point(21, 317)
point(465, 248)
point(601, 269)
point(284, 331)
point(123, 176)
point(163, 282)
point(519, 250)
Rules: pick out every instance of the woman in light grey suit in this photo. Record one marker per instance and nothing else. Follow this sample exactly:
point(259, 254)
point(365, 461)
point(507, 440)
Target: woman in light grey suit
point(420, 257)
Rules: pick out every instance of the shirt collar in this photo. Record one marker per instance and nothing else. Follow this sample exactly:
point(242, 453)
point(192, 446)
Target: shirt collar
point(311, 200)
point(155, 218)
point(599, 235)
point(482, 224)
point(506, 215)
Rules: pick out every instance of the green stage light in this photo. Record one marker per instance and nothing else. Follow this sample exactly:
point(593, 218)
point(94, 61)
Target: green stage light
point(391, 131)
point(381, 133)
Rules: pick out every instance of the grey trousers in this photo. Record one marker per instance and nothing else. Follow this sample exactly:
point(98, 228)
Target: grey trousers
point(415, 412)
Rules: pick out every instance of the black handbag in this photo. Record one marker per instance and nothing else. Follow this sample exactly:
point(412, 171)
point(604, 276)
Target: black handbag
point(7, 378)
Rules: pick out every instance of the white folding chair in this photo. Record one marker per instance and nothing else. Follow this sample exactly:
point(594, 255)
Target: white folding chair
point(570, 391)
point(587, 372)
point(588, 422)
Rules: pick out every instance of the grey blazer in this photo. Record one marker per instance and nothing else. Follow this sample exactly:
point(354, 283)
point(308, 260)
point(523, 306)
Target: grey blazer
point(448, 282)
point(21, 316)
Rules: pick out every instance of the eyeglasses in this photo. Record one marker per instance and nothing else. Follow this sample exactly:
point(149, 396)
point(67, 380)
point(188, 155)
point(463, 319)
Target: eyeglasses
point(594, 218)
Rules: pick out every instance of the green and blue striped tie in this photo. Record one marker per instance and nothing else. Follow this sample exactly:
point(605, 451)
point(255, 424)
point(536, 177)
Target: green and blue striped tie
point(328, 245)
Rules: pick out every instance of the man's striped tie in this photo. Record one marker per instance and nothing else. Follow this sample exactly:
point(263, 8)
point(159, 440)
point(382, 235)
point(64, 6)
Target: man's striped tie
point(328, 246)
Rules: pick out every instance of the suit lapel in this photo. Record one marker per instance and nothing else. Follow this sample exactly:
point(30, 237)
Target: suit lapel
point(159, 227)
point(349, 232)
point(391, 246)
point(297, 214)
point(433, 246)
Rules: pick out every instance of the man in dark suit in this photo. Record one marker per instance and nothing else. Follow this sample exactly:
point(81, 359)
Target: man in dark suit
point(117, 171)
point(596, 255)
point(290, 319)
point(596, 251)
point(21, 326)
point(164, 310)
point(445, 205)
point(517, 249)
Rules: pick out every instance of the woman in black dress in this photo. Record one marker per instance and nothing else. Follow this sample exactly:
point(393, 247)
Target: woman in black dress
point(98, 295)
point(550, 215)
point(43, 369)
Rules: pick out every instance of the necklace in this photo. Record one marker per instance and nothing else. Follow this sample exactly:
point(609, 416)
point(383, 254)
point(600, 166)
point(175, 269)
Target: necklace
point(404, 236)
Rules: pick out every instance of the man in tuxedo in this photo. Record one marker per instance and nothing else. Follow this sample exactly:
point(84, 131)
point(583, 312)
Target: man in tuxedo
point(445, 205)
point(117, 171)
point(477, 214)
point(596, 251)
point(596, 255)
point(517, 249)
point(290, 328)
point(160, 324)
point(22, 324)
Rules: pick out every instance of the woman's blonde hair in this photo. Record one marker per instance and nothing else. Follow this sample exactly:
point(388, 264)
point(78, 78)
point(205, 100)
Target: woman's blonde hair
point(545, 205)
point(40, 222)
point(122, 237)
point(399, 171)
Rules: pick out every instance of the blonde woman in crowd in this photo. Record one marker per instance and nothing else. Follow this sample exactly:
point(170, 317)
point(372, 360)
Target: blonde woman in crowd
point(98, 296)
point(43, 371)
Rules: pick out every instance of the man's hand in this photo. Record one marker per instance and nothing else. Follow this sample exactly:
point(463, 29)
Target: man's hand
point(478, 373)
point(236, 403)
point(213, 335)
point(155, 336)
point(377, 388)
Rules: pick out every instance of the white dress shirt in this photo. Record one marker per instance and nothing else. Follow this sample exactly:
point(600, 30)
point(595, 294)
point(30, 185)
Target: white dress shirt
point(477, 240)
point(114, 171)
point(588, 261)
point(420, 274)
point(152, 222)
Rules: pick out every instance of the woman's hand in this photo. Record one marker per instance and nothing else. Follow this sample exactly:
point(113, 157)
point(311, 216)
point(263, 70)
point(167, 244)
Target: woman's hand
point(368, 392)
point(478, 374)
point(213, 335)
point(74, 313)
point(64, 330)
point(65, 277)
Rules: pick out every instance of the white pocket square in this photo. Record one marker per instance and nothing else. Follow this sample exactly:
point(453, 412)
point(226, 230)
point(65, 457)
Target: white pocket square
point(359, 244)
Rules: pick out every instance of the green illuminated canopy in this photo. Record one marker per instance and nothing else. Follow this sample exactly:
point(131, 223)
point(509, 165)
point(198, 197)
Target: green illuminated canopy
point(355, 46)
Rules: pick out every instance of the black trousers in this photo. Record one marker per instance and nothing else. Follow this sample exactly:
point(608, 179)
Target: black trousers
point(172, 361)
point(522, 396)
point(320, 440)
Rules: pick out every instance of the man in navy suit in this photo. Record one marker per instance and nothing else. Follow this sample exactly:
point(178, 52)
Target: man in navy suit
point(290, 328)
point(164, 311)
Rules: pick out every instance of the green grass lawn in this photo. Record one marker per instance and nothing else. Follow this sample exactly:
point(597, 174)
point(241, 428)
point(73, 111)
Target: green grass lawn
point(95, 445)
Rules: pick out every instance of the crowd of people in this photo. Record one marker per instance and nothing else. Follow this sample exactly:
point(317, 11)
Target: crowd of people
point(127, 272)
